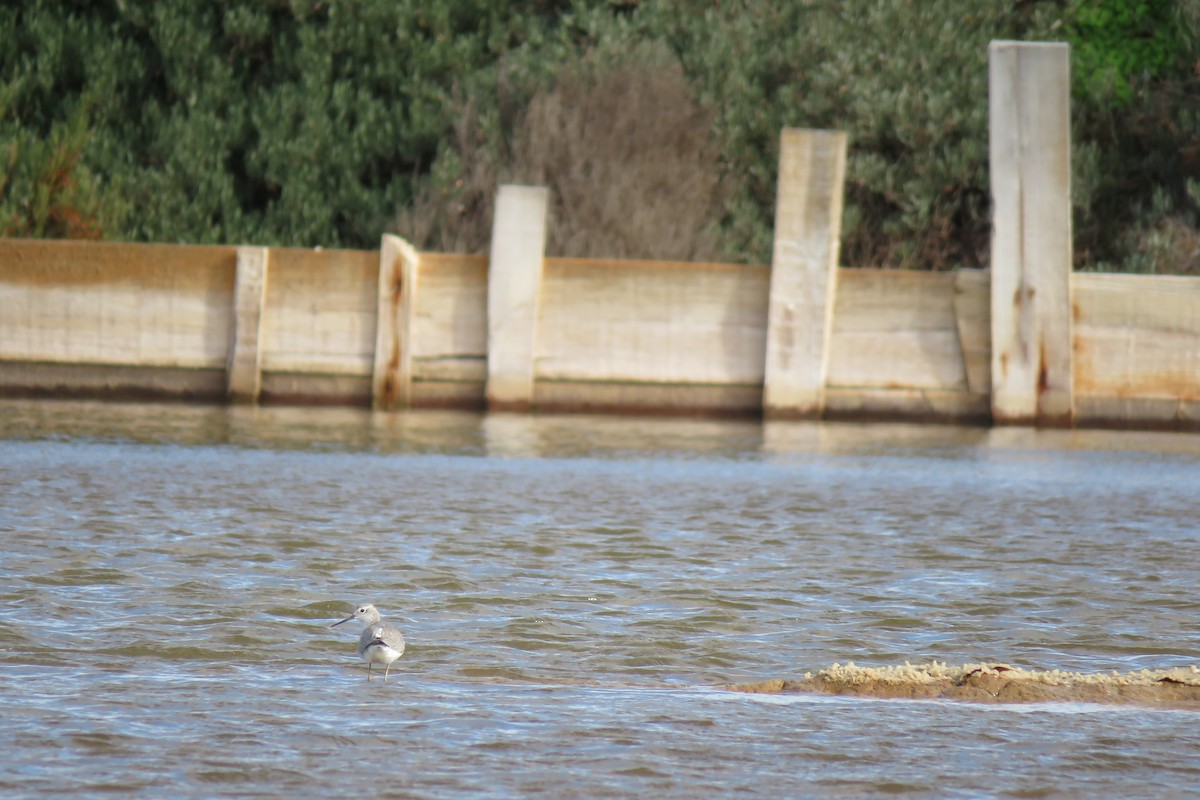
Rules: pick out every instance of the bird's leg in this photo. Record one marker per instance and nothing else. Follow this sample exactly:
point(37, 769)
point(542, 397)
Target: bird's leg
point(368, 672)
point(386, 671)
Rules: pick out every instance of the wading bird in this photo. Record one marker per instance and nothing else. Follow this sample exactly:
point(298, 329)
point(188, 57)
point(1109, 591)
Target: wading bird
point(380, 642)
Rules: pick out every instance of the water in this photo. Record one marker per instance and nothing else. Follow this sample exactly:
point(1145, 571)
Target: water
point(575, 592)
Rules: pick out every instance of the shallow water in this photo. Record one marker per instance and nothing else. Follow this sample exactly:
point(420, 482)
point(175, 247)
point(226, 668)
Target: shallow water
point(575, 590)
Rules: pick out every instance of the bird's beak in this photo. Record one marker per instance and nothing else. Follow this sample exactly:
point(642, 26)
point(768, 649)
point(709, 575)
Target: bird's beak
point(347, 619)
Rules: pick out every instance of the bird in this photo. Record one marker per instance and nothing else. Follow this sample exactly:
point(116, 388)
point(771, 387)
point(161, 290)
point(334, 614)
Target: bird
point(380, 642)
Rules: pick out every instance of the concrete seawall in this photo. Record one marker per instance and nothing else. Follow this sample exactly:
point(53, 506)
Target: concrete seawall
point(1026, 342)
point(162, 321)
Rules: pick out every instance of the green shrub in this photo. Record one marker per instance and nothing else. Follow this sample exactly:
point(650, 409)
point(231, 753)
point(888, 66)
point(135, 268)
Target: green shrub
point(1119, 44)
point(1136, 119)
point(908, 81)
point(311, 122)
point(301, 122)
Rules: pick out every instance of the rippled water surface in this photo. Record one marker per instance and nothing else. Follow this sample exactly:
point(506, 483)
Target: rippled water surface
point(575, 591)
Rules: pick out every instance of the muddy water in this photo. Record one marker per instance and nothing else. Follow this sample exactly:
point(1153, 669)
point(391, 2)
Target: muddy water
point(575, 590)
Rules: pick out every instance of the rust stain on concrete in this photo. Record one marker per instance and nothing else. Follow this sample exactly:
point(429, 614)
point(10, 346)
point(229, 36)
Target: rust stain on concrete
point(1043, 380)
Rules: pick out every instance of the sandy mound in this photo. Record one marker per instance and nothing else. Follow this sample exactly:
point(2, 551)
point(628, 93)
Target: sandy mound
point(993, 683)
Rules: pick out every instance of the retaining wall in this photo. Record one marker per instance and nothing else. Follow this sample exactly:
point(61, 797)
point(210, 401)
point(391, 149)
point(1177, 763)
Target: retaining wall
point(1026, 342)
point(122, 320)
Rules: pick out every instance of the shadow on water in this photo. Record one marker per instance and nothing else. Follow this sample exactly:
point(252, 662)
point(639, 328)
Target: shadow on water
point(531, 435)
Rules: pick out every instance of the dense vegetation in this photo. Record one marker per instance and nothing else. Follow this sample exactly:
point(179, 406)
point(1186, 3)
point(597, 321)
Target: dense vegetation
point(654, 122)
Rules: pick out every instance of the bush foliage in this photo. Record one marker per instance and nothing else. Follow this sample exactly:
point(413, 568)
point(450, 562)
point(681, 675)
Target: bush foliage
point(655, 123)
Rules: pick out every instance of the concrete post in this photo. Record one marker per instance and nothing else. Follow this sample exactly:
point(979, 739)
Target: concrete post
point(808, 226)
point(1029, 106)
point(244, 369)
point(514, 288)
point(399, 265)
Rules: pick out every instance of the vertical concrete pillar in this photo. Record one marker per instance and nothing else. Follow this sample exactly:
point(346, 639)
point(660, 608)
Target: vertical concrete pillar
point(514, 288)
point(1029, 107)
point(399, 265)
point(244, 368)
point(804, 264)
